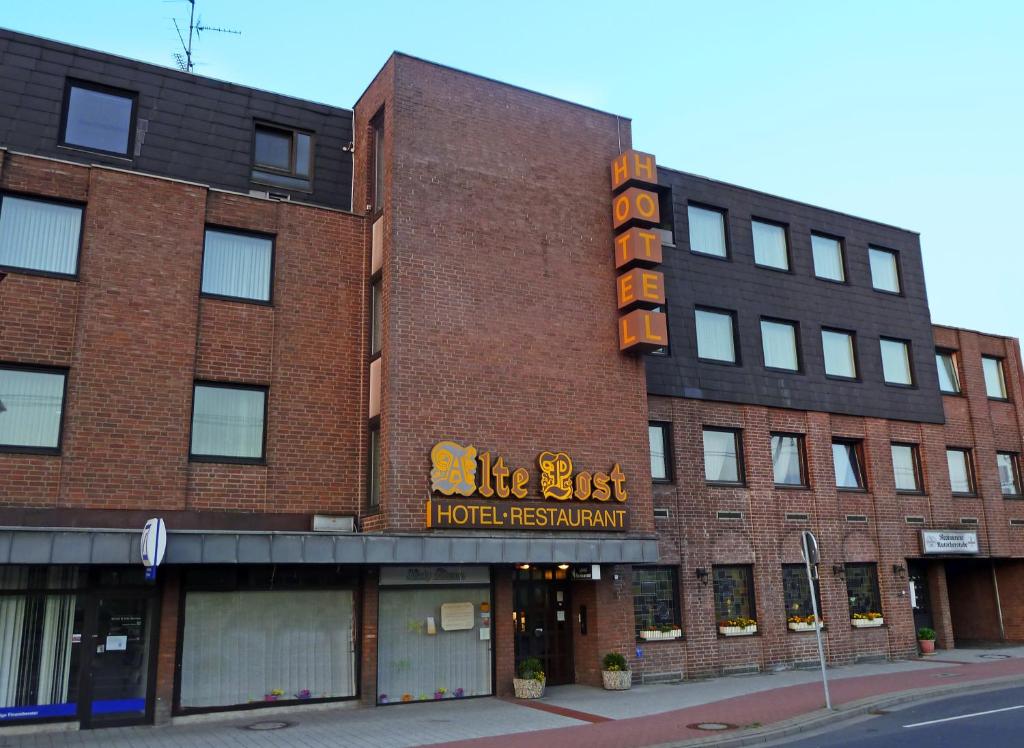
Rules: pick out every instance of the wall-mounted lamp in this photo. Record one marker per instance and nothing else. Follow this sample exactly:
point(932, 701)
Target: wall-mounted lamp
point(839, 570)
point(523, 567)
point(899, 570)
point(702, 575)
point(563, 567)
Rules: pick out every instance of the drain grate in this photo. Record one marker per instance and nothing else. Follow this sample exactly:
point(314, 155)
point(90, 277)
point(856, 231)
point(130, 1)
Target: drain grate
point(994, 656)
point(267, 726)
point(711, 726)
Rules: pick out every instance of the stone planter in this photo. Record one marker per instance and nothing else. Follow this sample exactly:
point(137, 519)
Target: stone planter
point(737, 630)
point(803, 626)
point(653, 636)
point(864, 623)
point(528, 688)
point(617, 680)
point(927, 646)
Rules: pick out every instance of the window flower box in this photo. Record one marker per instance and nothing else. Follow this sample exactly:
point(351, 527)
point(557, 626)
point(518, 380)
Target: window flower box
point(804, 626)
point(658, 635)
point(866, 623)
point(748, 630)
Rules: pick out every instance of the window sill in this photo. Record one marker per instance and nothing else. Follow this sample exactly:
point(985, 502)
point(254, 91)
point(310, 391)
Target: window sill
point(711, 256)
point(951, 394)
point(897, 294)
point(662, 481)
point(787, 271)
point(724, 484)
point(844, 489)
point(901, 386)
point(16, 450)
point(1013, 496)
point(13, 270)
point(998, 399)
point(910, 493)
point(717, 362)
point(777, 370)
point(122, 157)
point(843, 282)
point(219, 460)
point(791, 487)
point(239, 299)
point(959, 495)
point(840, 378)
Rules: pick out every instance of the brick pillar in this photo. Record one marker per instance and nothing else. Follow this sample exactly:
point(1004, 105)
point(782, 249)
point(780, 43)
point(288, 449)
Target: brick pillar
point(938, 594)
point(609, 604)
point(503, 631)
point(167, 645)
point(368, 639)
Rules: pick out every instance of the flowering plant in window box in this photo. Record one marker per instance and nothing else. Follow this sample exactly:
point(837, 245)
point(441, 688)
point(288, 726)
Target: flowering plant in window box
point(803, 623)
point(737, 627)
point(866, 620)
point(658, 633)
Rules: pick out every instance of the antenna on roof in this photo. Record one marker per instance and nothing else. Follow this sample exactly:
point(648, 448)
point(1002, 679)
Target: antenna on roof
point(195, 28)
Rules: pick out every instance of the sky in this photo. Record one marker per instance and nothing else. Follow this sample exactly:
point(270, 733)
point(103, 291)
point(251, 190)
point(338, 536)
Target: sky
point(910, 113)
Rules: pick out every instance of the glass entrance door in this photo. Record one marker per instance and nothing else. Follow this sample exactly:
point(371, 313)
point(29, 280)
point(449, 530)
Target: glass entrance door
point(919, 597)
point(117, 675)
point(543, 628)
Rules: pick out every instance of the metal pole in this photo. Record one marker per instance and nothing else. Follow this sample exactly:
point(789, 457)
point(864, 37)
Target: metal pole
point(817, 625)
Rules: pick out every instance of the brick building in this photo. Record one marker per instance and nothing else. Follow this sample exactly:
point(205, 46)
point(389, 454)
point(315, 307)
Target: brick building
point(368, 368)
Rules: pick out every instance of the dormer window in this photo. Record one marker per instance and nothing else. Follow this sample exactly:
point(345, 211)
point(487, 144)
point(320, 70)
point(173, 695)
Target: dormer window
point(282, 157)
point(98, 118)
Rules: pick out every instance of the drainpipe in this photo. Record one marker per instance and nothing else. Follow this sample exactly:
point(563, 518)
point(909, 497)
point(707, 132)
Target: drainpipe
point(999, 605)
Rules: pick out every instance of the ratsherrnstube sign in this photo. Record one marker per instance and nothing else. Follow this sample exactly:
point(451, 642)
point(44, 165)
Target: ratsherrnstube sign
point(949, 541)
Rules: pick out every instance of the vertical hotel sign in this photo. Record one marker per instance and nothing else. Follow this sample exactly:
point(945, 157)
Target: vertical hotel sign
point(640, 288)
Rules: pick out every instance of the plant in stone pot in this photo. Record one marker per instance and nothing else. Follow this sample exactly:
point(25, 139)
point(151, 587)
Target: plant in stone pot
point(530, 683)
point(615, 672)
point(926, 640)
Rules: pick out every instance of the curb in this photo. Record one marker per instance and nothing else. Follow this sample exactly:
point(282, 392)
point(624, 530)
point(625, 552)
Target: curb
point(821, 718)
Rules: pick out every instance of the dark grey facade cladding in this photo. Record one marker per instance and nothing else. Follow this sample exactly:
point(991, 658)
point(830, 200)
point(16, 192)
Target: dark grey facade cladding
point(188, 127)
point(753, 292)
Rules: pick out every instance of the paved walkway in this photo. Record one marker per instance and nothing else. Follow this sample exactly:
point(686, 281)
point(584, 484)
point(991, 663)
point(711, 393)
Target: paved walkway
point(568, 716)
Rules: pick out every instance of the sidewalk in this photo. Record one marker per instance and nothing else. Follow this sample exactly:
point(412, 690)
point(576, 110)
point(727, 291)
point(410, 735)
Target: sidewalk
point(568, 716)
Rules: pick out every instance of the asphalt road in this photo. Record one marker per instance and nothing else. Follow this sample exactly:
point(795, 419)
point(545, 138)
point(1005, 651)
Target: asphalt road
point(993, 719)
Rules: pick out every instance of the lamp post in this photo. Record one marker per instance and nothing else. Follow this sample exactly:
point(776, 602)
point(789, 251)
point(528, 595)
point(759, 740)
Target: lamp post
point(810, 551)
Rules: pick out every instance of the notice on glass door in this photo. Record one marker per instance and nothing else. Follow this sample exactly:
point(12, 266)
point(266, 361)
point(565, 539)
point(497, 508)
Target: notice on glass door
point(117, 643)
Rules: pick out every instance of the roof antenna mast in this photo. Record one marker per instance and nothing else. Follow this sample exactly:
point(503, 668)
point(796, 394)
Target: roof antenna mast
point(195, 27)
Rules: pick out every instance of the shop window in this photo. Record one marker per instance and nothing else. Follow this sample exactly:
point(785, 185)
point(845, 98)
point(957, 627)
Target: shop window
point(788, 462)
point(906, 468)
point(282, 157)
point(840, 353)
point(241, 647)
point(661, 455)
point(228, 422)
point(995, 380)
point(780, 345)
point(734, 592)
point(961, 472)
point(885, 270)
point(770, 249)
point(655, 599)
point(862, 588)
point(667, 210)
point(98, 118)
point(31, 409)
point(1008, 464)
point(797, 592)
point(39, 236)
point(828, 258)
point(374, 465)
point(419, 657)
point(716, 336)
point(375, 318)
point(848, 460)
point(896, 362)
point(707, 231)
point(723, 461)
point(237, 265)
point(949, 377)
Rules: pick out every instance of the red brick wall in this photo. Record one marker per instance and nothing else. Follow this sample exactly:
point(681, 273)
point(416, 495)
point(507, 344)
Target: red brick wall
point(1011, 596)
point(972, 603)
point(167, 647)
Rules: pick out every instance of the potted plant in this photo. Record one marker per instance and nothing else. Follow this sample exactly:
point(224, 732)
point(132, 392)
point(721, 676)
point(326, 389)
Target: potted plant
point(615, 672)
point(738, 626)
point(803, 623)
point(530, 683)
point(658, 633)
point(926, 640)
point(866, 620)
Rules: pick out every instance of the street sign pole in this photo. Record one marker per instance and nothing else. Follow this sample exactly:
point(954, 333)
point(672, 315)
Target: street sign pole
point(810, 549)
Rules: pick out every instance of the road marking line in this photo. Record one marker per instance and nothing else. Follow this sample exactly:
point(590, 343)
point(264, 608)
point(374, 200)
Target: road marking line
point(965, 716)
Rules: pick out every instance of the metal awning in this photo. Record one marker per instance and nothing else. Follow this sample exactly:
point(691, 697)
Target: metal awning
point(103, 546)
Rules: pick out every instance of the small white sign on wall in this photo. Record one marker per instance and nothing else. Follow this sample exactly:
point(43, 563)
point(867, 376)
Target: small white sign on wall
point(457, 616)
point(949, 541)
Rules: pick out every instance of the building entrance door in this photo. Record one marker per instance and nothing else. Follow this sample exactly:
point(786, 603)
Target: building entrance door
point(541, 615)
point(920, 600)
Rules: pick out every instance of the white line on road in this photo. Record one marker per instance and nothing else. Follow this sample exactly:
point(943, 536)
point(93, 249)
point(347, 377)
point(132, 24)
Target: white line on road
point(965, 716)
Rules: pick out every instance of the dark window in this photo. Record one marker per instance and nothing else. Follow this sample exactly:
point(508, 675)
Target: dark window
point(228, 422)
point(375, 318)
point(961, 471)
point(716, 336)
point(31, 408)
point(661, 454)
point(374, 466)
point(655, 599)
point(885, 269)
point(282, 157)
point(995, 379)
point(98, 118)
point(828, 258)
point(39, 235)
point(949, 376)
point(377, 127)
point(667, 211)
point(848, 458)
point(862, 588)
point(840, 353)
point(664, 350)
point(788, 462)
point(1008, 464)
point(770, 248)
point(780, 344)
point(707, 231)
point(723, 461)
point(237, 265)
point(896, 362)
point(734, 593)
point(797, 592)
point(906, 468)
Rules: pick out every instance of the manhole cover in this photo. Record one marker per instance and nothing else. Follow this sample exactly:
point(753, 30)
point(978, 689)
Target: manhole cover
point(995, 657)
point(713, 726)
point(268, 725)
point(945, 675)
